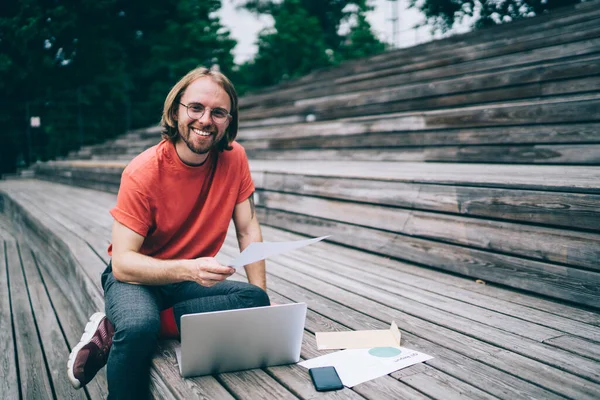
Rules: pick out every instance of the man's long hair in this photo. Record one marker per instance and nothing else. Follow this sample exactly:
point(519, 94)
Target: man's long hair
point(168, 122)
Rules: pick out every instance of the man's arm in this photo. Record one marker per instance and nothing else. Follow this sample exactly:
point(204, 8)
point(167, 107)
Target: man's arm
point(132, 267)
point(248, 231)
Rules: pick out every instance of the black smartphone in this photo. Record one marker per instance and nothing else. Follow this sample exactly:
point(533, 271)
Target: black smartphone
point(325, 378)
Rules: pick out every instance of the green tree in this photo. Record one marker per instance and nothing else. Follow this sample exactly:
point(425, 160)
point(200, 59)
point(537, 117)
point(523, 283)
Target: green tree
point(92, 68)
point(306, 36)
point(443, 14)
point(292, 48)
point(360, 41)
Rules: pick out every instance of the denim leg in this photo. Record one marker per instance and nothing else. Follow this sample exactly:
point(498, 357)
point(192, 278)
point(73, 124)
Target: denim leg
point(134, 310)
point(191, 298)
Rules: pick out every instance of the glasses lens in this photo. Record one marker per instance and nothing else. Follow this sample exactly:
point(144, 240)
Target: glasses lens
point(219, 116)
point(195, 111)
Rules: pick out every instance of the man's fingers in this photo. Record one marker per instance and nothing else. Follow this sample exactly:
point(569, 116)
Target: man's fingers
point(214, 277)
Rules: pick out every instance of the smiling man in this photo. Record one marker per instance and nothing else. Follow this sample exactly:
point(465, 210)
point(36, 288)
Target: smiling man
point(173, 210)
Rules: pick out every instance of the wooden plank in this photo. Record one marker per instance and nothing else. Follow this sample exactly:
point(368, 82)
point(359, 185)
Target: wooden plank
point(432, 68)
point(572, 154)
point(571, 210)
point(449, 284)
point(533, 134)
point(48, 327)
point(33, 372)
point(445, 386)
point(552, 280)
point(576, 345)
point(504, 360)
point(302, 95)
point(579, 249)
point(395, 274)
point(565, 108)
point(345, 309)
point(500, 114)
point(71, 325)
point(165, 370)
point(380, 388)
point(524, 82)
point(526, 347)
point(572, 179)
point(465, 61)
point(9, 377)
point(381, 65)
point(254, 384)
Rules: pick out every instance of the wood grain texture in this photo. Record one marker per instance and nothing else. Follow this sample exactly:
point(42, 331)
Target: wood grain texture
point(577, 345)
point(565, 108)
point(69, 322)
point(33, 372)
point(51, 337)
point(571, 284)
point(575, 154)
point(358, 313)
point(334, 138)
point(540, 207)
point(9, 379)
point(515, 83)
point(571, 179)
point(541, 311)
point(577, 249)
point(468, 46)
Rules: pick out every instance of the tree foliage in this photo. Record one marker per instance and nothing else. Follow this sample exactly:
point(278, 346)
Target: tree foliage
point(92, 68)
point(306, 36)
point(441, 15)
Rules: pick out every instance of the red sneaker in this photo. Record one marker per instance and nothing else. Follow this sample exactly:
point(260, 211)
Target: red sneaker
point(91, 353)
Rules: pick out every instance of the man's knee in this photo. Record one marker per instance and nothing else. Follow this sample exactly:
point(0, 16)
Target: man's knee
point(138, 330)
point(253, 296)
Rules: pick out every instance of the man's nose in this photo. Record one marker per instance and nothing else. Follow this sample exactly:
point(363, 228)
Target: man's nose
point(205, 119)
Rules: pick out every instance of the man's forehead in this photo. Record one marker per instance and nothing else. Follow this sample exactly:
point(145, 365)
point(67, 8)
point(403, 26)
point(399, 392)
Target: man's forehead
point(205, 90)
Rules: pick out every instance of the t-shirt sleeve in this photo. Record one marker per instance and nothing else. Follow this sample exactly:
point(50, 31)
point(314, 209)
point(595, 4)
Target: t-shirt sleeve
point(133, 206)
point(246, 185)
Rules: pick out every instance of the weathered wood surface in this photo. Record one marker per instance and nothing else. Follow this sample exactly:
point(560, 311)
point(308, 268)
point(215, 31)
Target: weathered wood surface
point(585, 154)
point(479, 363)
point(9, 380)
point(551, 178)
point(474, 45)
point(550, 208)
point(545, 244)
point(33, 373)
point(570, 179)
point(541, 79)
point(567, 108)
point(555, 280)
point(291, 284)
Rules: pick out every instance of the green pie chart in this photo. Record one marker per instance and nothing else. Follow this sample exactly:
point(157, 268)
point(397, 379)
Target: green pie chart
point(384, 352)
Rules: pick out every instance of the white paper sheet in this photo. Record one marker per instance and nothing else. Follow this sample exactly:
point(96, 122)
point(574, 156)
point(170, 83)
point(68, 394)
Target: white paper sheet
point(356, 366)
point(261, 250)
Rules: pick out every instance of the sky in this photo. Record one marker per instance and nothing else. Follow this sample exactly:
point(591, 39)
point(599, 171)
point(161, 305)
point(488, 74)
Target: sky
point(244, 26)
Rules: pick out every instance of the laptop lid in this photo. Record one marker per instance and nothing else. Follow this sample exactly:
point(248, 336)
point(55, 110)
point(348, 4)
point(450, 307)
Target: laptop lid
point(235, 340)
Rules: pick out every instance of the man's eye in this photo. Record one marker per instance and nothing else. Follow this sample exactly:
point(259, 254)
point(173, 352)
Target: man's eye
point(197, 108)
point(219, 113)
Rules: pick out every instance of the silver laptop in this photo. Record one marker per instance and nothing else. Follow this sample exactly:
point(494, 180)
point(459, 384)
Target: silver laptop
point(235, 340)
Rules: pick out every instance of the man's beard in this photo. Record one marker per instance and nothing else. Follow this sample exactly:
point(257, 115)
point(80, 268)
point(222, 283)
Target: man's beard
point(207, 144)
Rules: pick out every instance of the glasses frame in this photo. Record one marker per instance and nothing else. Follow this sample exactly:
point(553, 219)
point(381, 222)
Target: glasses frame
point(212, 118)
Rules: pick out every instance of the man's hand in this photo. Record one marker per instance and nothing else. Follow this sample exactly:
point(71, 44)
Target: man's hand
point(207, 271)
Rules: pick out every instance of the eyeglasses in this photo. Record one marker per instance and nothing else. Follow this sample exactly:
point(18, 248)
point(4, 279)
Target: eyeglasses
point(196, 111)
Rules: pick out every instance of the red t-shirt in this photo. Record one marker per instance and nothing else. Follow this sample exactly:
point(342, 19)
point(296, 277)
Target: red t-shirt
point(182, 211)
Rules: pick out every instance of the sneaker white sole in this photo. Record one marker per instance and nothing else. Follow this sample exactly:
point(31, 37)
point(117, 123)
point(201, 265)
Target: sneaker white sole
point(90, 329)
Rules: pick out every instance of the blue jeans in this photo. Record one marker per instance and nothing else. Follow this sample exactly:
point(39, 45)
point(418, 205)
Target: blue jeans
point(134, 310)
